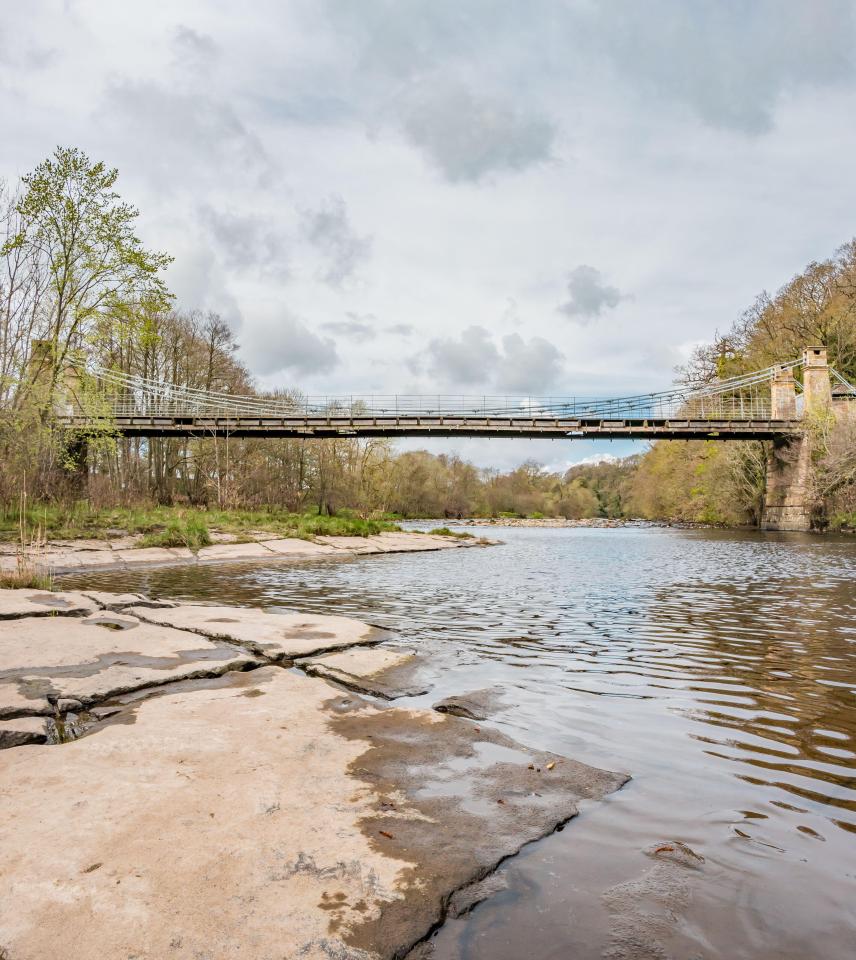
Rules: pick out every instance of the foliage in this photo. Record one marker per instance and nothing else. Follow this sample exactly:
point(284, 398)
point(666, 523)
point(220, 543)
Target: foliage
point(191, 532)
point(446, 532)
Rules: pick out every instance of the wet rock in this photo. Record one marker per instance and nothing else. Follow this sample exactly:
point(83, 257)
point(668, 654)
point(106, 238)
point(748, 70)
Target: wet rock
point(676, 852)
point(43, 603)
point(380, 671)
point(476, 705)
point(64, 704)
point(465, 899)
point(214, 823)
point(118, 601)
point(20, 731)
point(45, 660)
point(278, 636)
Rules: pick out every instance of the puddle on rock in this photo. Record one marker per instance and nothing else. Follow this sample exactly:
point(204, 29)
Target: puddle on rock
point(113, 621)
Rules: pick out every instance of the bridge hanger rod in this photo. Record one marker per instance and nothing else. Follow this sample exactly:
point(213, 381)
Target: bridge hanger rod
point(253, 403)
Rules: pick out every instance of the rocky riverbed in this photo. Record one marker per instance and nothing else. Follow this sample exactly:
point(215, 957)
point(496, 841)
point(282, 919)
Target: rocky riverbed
point(208, 781)
point(62, 556)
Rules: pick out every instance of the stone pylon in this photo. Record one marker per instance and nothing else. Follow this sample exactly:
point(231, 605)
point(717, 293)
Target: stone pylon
point(788, 502)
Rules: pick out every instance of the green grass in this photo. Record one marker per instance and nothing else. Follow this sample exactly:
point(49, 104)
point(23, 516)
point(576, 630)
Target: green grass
point(191, 532)
point(842, 521)
point(182, 526)
point(446, 532)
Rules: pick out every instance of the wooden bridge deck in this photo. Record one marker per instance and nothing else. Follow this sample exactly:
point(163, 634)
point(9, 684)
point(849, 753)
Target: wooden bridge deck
point(440, 426)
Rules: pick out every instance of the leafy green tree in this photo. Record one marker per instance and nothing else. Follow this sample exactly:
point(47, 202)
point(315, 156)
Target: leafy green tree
point(81, 233)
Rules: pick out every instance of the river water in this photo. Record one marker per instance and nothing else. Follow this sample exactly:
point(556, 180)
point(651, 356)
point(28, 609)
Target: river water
point(717, 667)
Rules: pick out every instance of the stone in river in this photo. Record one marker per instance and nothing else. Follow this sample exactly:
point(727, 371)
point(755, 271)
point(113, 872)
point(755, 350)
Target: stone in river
point(475, 705)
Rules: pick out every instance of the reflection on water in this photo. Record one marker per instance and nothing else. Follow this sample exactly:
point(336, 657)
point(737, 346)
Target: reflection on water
point(718, 668)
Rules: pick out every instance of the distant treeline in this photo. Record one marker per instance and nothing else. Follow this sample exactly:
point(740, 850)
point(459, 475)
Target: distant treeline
point(75, 277)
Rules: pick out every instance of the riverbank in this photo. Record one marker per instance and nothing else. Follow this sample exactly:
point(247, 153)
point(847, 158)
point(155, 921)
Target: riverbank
point(62, 556)
point(562, 522)
point(173, 787)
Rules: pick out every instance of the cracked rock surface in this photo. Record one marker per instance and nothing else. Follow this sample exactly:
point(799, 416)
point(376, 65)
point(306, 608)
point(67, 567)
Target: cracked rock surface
point(43, 603)
point(258, 813)
point(380, 671)
point(278, 636)
point(44, 660)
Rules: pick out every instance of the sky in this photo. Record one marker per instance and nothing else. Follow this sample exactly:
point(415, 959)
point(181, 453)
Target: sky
point(470, 197)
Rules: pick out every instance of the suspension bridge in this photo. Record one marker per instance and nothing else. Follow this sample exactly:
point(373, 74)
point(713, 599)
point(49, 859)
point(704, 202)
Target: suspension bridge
point(763, 405)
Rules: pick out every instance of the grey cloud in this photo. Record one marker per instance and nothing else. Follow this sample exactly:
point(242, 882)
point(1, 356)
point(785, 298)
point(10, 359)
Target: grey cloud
point(329, 230)
point(193, 49)
point(287, 343)
point(360, 328)
point(170, 129)
point(248, 241)
point(473, 358)
point(468, 136)
point(589, 294)
point(528, 366)
point(401, 329)
point(730, 62)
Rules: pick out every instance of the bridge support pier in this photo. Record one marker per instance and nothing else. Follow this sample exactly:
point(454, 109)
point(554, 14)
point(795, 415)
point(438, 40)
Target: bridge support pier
point(789, 502)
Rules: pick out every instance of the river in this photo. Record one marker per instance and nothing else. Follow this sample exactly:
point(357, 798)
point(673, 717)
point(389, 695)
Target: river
point(717, 667)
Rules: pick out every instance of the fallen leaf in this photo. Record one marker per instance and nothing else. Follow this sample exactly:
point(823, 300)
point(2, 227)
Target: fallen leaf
point(551, 764)
point(388, 836)
point(94, 866)
point(666, 849)
point(500, 800)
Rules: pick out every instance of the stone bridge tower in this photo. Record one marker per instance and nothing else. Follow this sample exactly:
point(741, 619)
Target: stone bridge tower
point(788, 504)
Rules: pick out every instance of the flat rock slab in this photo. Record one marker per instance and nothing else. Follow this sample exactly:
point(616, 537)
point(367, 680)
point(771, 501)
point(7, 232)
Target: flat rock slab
point(297, 548)
point(408, 542)
point(22, 730)
point(351, 544)
point(380, 671)
point(118, 601)
point(164, 555)
point(43, 603)
point(234, 551)
point(278, 636)
point(98, 657)
point(262, 817)
point(475, 705)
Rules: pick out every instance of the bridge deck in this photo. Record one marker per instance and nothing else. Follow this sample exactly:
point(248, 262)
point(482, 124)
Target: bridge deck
point(441, 426)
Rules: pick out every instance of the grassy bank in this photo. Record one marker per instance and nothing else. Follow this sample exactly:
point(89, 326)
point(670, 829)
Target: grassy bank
point(180, 526)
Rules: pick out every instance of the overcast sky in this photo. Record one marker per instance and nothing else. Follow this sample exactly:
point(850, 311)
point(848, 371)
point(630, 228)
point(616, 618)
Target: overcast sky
point(456, 196)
